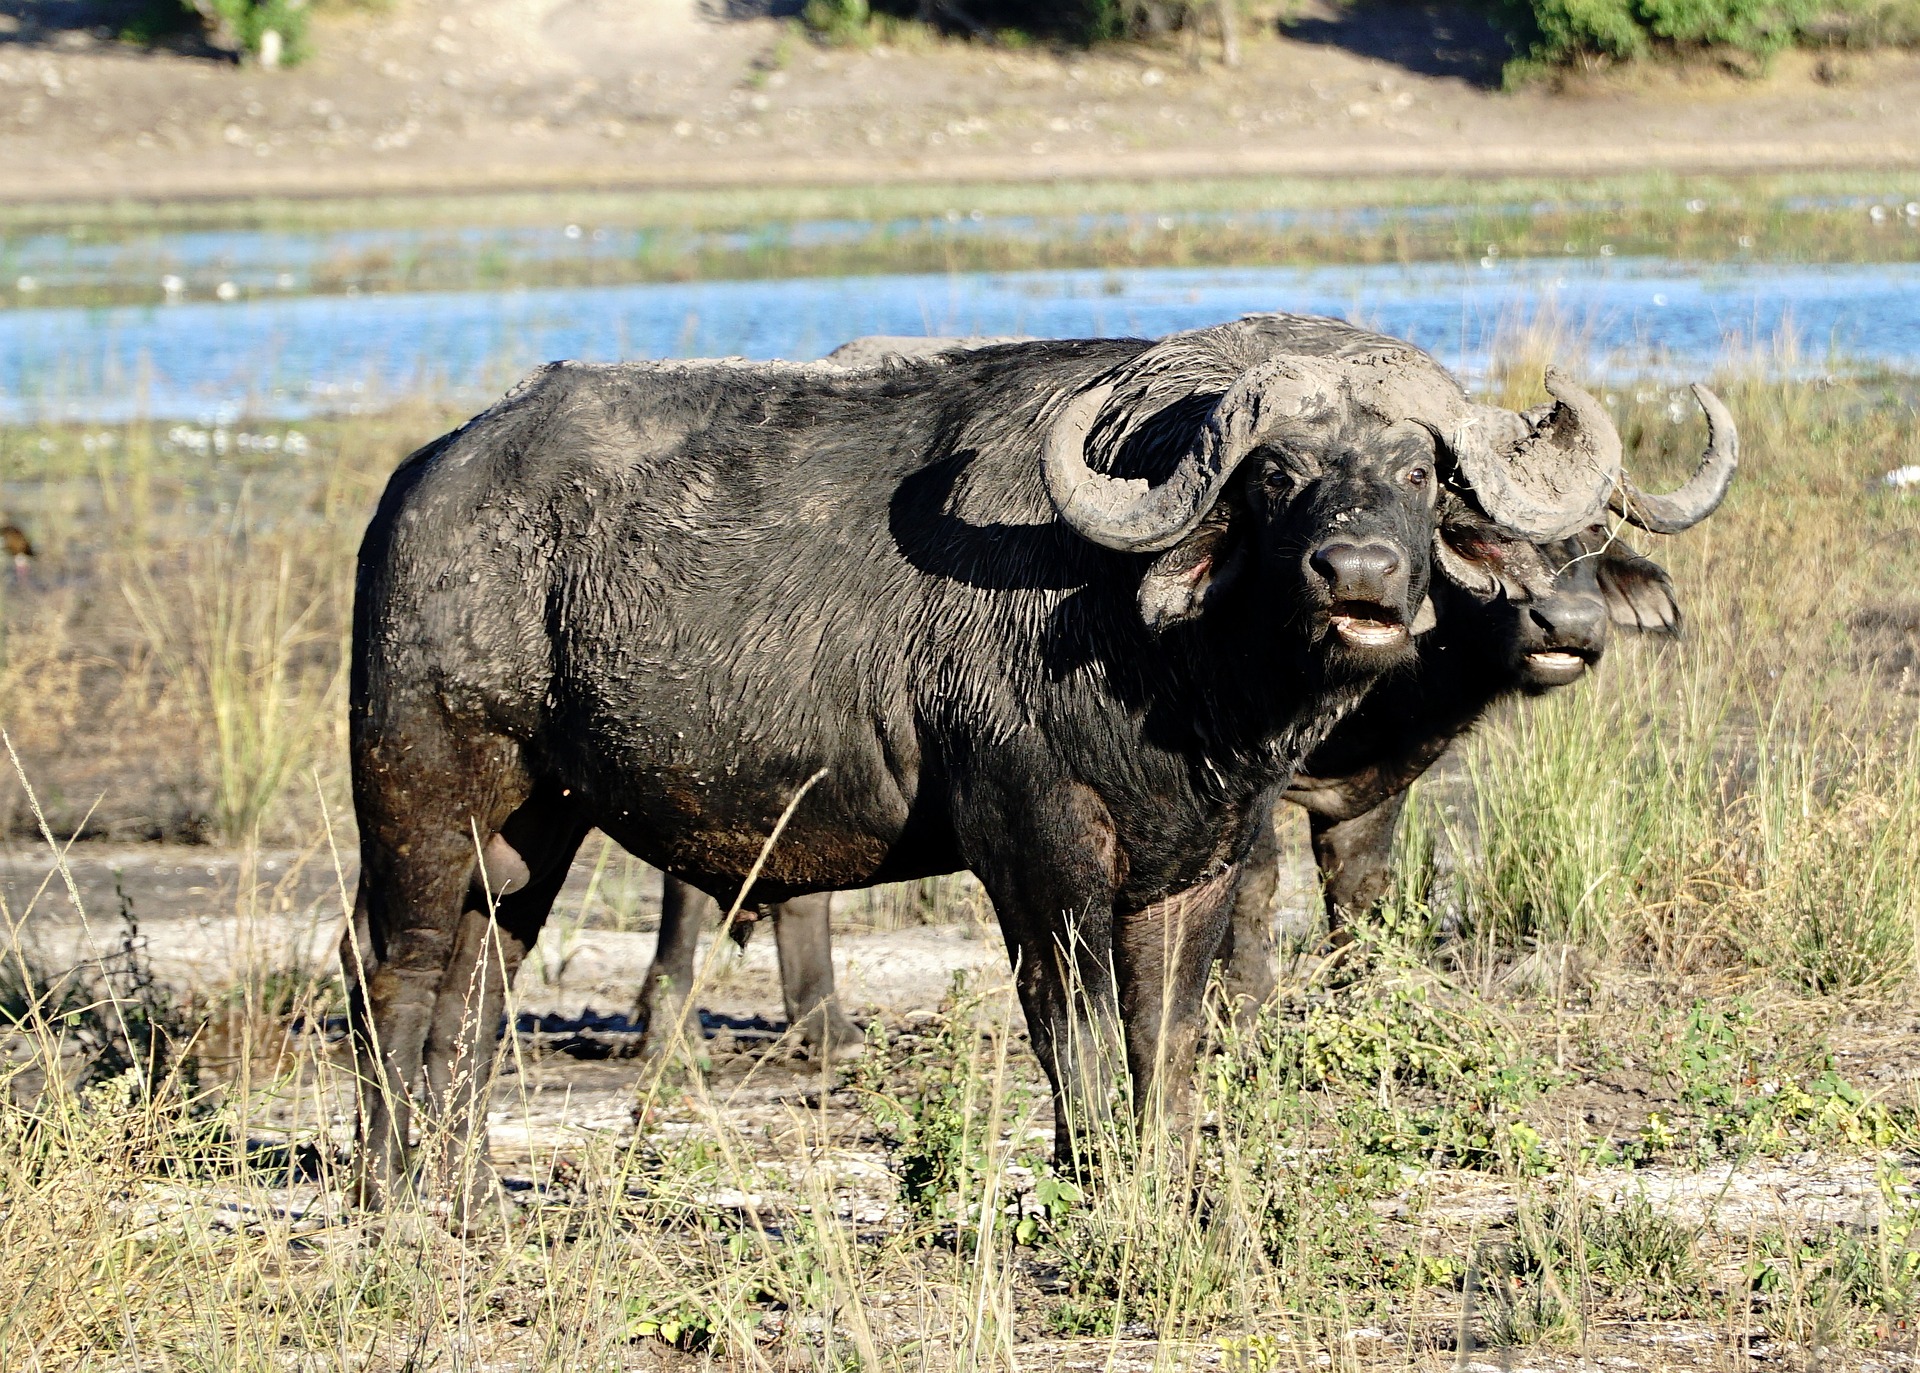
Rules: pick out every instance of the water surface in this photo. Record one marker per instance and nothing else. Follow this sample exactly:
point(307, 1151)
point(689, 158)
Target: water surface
point(295, 356)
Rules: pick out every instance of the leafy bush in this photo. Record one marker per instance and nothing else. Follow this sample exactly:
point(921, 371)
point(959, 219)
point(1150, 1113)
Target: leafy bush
point(1558, 33)
point(273, 32)
point(837, 21)
point(1078, 21)
point(940, 1132)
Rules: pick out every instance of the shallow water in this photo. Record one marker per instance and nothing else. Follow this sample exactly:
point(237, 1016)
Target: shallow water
point(294, 356)
point(259, 260)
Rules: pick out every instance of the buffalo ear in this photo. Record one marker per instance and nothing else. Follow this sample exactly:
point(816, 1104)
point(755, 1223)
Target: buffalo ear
point(1639, 592)
point(1183, 581)
point(1474, 554)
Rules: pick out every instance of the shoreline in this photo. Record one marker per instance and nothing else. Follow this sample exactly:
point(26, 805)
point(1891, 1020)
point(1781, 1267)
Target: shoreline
point(310, 184)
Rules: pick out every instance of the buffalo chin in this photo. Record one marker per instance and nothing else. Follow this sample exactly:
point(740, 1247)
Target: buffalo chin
point(1550, 668)
point(1366, 639)
point(1360, 633)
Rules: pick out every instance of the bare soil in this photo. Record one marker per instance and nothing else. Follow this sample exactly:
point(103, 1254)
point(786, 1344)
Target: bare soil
point(477, 94)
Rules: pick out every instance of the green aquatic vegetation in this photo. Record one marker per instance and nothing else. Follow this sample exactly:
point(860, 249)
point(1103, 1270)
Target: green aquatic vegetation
point(681, 237)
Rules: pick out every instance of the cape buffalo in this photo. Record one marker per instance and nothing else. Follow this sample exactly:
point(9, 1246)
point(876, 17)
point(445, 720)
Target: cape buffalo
point(1353, 786)
point(1062, 613)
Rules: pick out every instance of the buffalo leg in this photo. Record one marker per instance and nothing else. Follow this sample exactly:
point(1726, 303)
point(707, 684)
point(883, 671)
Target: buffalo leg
point(663, 996)
point(1355, 858)
point(804, 938)
point(521, 871)
point(1165, 954)
point(423, 795)
point(1248, 951)
point(1066, 981)
point(1053, 895)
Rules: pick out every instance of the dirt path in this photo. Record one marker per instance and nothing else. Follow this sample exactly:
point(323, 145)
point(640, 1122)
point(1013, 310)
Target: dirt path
point(473, 94)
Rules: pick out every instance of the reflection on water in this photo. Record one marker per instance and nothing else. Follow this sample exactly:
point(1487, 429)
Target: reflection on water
point(296, 356)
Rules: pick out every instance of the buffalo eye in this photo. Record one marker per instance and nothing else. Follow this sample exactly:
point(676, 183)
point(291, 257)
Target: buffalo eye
point(1418, 474)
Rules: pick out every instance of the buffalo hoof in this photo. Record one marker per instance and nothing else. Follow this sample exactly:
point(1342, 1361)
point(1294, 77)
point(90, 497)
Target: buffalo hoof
point(831, 1036)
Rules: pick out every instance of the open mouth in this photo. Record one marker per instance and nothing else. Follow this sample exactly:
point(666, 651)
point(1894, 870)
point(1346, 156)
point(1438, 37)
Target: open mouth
point(1363, 625)
point(1556, 665)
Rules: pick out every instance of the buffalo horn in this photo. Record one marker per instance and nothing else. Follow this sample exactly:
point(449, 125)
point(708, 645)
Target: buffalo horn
point(1701, 496)
point(1136, 516)
point(1555, 478)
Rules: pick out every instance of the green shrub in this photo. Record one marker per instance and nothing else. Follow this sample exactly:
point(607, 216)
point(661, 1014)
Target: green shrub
point(1554, 33)
point(246, 24)
point(242, 25)
point(837, 21)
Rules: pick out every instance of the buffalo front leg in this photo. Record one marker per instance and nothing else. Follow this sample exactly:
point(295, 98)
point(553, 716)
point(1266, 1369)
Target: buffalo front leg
point(663, 1000)
point(1355, 858)
point(804, 938)
point(1047, 860)
point(1165, 954)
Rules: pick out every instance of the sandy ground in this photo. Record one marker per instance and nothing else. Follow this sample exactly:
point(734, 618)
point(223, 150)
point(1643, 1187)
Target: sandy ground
point(469, 94)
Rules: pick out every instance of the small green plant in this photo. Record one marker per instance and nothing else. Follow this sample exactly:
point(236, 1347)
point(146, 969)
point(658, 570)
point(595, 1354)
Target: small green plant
point(1569, 1251)
point(930, 1095)
point(1642, 1257)
point(1841, 1285)
point(675, 1321)
point(273, 32)
point(838, 21)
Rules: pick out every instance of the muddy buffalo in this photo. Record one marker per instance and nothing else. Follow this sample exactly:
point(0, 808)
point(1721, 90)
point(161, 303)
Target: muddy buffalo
point(1483, 648)
point(1062, 613)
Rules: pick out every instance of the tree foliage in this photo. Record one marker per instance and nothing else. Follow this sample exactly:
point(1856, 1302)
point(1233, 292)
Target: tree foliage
point(270, 32)
point(1559, 33)
point(1074, 21)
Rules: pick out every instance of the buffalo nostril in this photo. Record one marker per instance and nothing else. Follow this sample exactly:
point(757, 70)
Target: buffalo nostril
point(1344, 564)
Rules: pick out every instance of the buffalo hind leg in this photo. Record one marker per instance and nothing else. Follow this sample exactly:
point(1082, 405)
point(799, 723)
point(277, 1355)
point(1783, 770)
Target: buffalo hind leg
point(420, 801)
point(521, 870)
point(662, 1003)
point(1355, 858)
point(804, 941)
point(804, 936)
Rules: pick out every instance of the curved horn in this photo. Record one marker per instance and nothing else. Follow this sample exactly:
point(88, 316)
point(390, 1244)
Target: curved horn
point(1135, 516)
point(1701, 496)
point(1556, 477)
